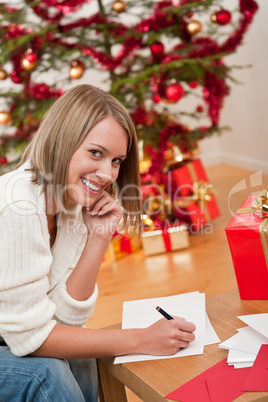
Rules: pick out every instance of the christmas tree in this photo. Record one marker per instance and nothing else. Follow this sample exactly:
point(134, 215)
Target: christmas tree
point(159, 57)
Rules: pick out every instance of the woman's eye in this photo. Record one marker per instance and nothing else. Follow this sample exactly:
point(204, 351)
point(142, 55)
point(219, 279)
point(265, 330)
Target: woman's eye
point(95, 153)
point(117, 161)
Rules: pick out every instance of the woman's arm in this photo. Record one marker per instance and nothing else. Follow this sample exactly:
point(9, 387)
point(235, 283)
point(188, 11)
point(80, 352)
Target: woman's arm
point(165, 337)
point(101, 222)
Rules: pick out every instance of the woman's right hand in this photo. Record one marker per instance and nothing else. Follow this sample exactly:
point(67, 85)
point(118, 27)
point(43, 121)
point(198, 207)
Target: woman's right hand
point(166, 337)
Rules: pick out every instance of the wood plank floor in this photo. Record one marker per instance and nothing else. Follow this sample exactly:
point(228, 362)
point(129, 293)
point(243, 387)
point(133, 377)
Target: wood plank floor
point(206, 266)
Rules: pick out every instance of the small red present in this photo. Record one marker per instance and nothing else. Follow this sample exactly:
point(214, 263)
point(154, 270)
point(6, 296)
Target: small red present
point(120, 246)
point(193, 196)
point(247, 235)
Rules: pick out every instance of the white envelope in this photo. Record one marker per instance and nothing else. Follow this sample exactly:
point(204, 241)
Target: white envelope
point(242, 343)
point(259, 322)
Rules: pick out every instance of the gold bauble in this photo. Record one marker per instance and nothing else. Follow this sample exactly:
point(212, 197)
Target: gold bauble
point(213, 17)
point(193, 27)
point(5, 117)
point(3, 74)
point(145, 165)
point(27, 65)
point(77, 70)
point(119, 6)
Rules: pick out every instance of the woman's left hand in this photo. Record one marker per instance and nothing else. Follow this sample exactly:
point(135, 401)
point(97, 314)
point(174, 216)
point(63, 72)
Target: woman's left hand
point(103, 217)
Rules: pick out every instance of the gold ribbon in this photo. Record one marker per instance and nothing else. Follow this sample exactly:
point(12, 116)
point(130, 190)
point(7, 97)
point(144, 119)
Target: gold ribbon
point(260, 205)
point(202, 193)
point(178, 157)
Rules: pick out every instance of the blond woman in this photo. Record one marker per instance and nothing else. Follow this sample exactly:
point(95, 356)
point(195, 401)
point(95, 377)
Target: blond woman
point(58, 213)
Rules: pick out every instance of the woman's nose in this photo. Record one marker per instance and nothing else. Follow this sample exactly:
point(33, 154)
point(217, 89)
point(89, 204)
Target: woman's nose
point(104, 172)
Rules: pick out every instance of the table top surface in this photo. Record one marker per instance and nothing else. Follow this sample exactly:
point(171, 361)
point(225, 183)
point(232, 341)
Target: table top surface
point(160, 377)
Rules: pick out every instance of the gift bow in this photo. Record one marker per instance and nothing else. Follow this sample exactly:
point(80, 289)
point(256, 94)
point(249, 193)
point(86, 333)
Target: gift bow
point(260, 204)
point(202, 192)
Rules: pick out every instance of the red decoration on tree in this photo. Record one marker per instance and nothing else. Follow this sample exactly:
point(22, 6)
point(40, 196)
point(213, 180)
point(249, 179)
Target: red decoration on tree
point(15, 77)
point(174, 92)
point(200, 109)
point(3, 161)
point(157, 49)
point(31, 57)
point(223, 17)
point(193, 84)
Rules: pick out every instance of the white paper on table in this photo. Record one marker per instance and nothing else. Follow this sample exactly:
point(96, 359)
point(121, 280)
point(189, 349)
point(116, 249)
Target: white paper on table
point(242, 365)
point(242, 343)
point(259, 322)
point(211, 336)
point(254, 335)
point(236, 356)
point(143, 313)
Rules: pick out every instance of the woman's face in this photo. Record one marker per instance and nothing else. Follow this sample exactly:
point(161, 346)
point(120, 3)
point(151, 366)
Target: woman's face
point(96, 162)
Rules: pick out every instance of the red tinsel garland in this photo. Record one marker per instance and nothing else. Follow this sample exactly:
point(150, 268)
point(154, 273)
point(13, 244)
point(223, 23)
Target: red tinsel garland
point(214, 88)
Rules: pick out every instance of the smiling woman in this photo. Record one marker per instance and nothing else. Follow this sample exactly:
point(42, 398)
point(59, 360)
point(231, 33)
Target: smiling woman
point(57, 216)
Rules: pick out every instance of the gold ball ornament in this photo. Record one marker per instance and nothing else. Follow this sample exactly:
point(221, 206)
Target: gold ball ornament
point(193, 27)
point(3, 74)
point(77, 69)
point(145, 165)
point(213, 17)
point(5, 117)
point(26, 64)
point(119, 6)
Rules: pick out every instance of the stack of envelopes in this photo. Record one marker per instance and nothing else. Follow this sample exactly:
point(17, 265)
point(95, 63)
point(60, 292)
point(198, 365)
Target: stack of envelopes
point(244, 346)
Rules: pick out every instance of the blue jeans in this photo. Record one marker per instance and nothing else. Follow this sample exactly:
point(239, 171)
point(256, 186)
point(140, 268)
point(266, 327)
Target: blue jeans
point(43, 379)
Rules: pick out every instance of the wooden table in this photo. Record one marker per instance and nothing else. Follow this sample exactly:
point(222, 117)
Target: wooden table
point(152, 380)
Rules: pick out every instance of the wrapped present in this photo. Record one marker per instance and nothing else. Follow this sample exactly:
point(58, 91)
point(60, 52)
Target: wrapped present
point(156, 203)
point(167, 238)
point(193, 197)
point(120, 246)
point(247, 235)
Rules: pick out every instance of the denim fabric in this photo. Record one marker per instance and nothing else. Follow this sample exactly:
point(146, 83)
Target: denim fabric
point(43, 379)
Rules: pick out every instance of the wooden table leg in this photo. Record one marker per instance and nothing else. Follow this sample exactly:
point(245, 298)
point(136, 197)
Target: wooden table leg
point(112, 390)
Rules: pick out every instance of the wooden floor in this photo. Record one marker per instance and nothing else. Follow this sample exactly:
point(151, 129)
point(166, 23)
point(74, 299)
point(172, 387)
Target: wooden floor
point(206, 266)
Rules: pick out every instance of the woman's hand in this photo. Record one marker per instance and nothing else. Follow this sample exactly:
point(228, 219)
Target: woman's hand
point(166, 337)
point(103, 217)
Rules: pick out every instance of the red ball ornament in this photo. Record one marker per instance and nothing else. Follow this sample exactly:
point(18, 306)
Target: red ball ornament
point(174, 92)
point(31, 57)
point(15, 77)
point(193, 84)
point(157, 49)
point(3, 161)
point(224, 17)
point(199, 109)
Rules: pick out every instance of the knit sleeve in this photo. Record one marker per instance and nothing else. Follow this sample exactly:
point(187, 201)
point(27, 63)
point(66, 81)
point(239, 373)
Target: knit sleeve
point(27, 313)
point(70, 311)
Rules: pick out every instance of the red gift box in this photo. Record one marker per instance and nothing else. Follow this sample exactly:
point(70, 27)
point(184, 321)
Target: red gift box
point(247, 235)
point(193, 199)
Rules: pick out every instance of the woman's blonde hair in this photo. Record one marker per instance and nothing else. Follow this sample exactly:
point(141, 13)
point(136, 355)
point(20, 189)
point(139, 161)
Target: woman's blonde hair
point(62, 130)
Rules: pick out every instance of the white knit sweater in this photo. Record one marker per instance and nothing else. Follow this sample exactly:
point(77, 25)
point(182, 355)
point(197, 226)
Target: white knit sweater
point(33, 293)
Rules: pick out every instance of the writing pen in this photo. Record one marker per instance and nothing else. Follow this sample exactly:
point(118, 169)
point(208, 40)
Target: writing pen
point(166, 315)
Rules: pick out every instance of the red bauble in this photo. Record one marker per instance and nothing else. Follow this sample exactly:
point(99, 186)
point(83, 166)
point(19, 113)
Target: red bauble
point(174, 92)
point(3, 161)
point(193, 84)
point(31, 57)
point(224, 17)
point(15, 77)
point(199, 109)
point(157, 49)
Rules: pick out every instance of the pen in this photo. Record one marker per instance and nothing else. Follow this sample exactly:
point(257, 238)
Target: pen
point(166, 315)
